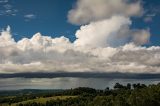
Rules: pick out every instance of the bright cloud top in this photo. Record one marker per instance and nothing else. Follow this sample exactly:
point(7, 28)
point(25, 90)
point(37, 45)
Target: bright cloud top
point(105, 44)
point(107, 23)
point(87, 11)
point(111, 32)
point(46, 54)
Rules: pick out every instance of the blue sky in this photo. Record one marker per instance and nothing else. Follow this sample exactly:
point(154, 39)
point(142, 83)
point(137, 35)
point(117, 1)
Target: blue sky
point(27, 17)
point(86, 36)
point(50, 18)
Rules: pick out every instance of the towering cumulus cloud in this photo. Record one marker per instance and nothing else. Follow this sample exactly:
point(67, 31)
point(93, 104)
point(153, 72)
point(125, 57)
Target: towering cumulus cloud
point(87, 11)
point(111, 32)
point(108, 23)
point(105, 43)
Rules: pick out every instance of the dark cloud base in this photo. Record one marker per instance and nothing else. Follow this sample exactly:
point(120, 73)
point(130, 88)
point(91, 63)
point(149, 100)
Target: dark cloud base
point(115, 75)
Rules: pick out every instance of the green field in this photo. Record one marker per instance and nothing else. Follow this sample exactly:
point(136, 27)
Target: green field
point(4, 104)
point(121, 95)
point(40, 100)
point(44, 100)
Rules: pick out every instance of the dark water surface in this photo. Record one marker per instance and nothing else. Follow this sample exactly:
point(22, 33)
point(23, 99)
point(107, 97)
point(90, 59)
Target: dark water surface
point(66, 82)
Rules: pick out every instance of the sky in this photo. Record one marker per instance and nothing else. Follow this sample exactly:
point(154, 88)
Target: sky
point(50, 18)
point(29, 17)
point(80, 36)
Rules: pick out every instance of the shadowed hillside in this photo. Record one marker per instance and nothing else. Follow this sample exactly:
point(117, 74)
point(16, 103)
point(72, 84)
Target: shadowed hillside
point(121, 95)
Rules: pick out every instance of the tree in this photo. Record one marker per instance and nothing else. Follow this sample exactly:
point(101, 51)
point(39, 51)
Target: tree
point(128, 86)
point(118, 86)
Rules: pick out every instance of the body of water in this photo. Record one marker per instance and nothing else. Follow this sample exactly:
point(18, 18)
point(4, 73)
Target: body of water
point(66, 83)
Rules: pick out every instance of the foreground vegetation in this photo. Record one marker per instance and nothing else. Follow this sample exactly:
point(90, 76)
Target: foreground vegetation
point(43, 100)
point(128, 95)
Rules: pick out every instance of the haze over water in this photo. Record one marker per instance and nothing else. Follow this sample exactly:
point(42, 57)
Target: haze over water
point(66, 83)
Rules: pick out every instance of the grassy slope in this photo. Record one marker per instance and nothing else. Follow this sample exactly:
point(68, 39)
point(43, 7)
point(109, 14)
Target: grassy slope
point(44, 100)
point(4, 104)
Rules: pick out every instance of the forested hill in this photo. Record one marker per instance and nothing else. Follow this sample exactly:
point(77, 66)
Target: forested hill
point(120, 95)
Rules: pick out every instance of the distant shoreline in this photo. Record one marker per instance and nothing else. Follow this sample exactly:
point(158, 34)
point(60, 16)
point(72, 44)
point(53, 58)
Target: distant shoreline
point(116, 75)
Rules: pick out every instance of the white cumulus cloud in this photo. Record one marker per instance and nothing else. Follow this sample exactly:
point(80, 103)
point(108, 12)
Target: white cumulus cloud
point(47, 54)
point(87, 11)
point(111, 32)
point(105, 43)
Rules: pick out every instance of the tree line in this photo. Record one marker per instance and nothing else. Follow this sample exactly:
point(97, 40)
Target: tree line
point(121, 95)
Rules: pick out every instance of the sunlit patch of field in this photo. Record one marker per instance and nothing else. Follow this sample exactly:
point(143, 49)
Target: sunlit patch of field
point(43, 99)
